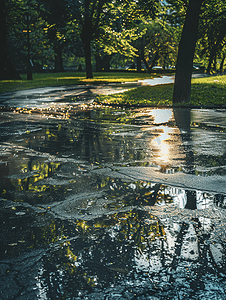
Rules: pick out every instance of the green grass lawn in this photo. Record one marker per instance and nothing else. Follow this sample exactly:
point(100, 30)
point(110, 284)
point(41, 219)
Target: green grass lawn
point(58, 79)
point(205, 91)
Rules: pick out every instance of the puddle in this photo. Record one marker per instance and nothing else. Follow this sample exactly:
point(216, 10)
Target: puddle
point(158, 80)
point(113, 203)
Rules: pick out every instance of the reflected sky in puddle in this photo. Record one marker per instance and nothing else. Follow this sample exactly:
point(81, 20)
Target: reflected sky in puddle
point(158, 80)
point(67, 219)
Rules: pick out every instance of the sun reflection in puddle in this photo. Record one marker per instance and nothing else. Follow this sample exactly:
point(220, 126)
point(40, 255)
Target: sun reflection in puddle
point(161, 142)
point(161, 115)
point(98, 228)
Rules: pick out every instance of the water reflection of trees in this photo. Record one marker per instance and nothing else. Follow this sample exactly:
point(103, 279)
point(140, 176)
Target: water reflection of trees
point(219, 200)
point(132, 247)
point(207, 260)
point(105, 251)
point(85, 139)
point(183, 122)
point(77, 139)
point(123, 250)
point(27, 176)
point(138, 193)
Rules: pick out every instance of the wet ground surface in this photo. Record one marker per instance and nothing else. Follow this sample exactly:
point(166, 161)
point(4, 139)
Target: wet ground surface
point(108, 203)
point(43, 97)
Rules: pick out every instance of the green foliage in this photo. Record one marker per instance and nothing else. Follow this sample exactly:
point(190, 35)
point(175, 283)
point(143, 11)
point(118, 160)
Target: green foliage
point(160, 39)
point(119, 27)
point(174, 12)
point(211, 40)
point(211, 43)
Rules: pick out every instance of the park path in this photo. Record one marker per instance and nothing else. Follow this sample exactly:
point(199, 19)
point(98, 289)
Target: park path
point(43, 97)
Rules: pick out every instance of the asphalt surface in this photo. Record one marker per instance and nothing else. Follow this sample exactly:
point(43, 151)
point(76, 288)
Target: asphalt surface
point(110, 203)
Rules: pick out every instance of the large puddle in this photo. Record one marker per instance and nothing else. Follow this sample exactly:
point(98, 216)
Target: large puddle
point(107, 203)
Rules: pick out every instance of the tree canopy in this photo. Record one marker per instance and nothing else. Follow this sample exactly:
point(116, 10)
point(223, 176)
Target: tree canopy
point(84, 33)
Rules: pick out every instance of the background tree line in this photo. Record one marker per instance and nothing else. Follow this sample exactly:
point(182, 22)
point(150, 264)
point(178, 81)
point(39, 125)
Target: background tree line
point(98, 34)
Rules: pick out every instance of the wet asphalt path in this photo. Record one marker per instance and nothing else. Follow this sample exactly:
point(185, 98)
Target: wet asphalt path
point(43, 97)
point(110, 203)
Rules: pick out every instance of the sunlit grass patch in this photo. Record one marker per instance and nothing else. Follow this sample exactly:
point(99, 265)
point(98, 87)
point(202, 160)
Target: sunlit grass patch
point(204, 91)
point(209, 91)
point(146, 95)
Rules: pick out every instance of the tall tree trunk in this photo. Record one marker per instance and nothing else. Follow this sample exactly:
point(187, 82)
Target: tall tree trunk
point(106, 63)
point(154, 59)
point(7, 70)
point(98, 63)
point(59, 67)
point(215, 62)
point(216, 45)
point(140, 58)
point(222, 64)
point(182, 86)
point(86, 41)
point(139, 63)
point(146, 63)
point(103, 64)
point(210, 62)
point(29, 66)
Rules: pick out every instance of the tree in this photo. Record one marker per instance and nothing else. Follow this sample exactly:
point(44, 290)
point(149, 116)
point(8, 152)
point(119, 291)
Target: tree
point(158, 44)
point(57, 14)
point(216, 45)
point(17, 39)
point(94, 16)
point(88, 14)
point(184, 66)
point(211, 36)
point(113, 41)
point(7, 70)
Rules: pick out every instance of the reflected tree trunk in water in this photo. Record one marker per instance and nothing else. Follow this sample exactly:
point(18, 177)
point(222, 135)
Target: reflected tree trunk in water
point(178, 247)
point(27, 180)
point(179, 242)
point(208, 261)
point(5, 182)
point(163, 250)
point(219, 200)
point(191, 199)
point(183, 122)
point(90, 143)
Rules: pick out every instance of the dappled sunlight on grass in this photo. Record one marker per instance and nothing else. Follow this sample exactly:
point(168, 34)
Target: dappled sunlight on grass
point(204, 91)
point(146, 95)
point(69, 78)
point(209, 90)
